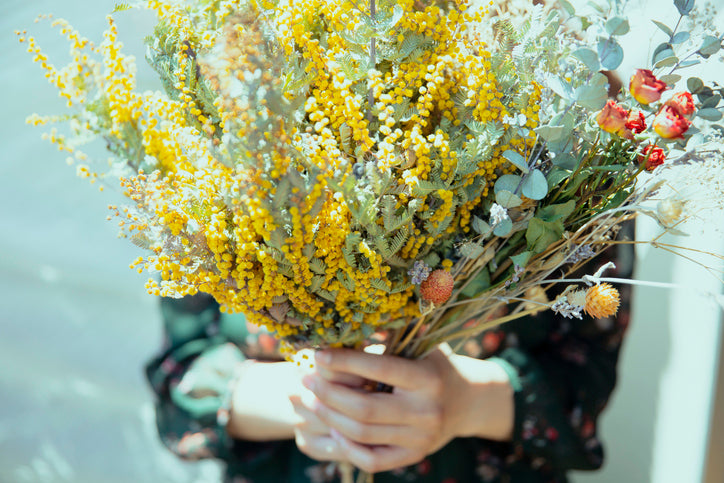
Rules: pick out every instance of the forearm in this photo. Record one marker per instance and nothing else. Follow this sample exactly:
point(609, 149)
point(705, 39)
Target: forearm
point(260, 408)
point(484, 405)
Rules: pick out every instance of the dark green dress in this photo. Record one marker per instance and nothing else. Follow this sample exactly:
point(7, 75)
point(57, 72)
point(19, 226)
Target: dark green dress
point(563, 372)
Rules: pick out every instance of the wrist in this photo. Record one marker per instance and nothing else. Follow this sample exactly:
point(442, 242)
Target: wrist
point(484, 402)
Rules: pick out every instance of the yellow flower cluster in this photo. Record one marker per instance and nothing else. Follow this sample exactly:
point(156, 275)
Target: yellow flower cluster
point(272, 165)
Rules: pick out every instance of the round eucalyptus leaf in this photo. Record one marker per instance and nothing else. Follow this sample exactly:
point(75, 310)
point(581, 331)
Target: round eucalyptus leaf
point(506, 199)
point(617, 26)
point(684, 6)
point(516, 159)
point(535, 185)
point(680, 37)
point(694, 84)
point(710, 46)
point(507, 182)
point(610, 53)
point(710, 114)
point(588, 57)
point(503, 228)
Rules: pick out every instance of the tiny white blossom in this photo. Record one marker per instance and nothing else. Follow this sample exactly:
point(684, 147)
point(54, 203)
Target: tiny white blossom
point(498, 214)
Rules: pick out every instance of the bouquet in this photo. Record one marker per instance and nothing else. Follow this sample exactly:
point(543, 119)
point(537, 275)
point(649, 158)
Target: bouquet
point(422, 170)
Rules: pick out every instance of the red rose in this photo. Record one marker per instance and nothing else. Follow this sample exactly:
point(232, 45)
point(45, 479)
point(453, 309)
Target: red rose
point(653, 156)
point(670, 123)
point(645, 87)
point(682, 102)
point(612, 118)
point(635, 123)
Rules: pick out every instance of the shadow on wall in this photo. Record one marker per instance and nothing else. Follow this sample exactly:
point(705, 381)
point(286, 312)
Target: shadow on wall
point(627, 426)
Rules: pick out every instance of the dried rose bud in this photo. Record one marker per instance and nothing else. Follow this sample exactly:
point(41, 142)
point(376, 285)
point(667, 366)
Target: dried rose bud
point(602, 301)
point(438, 287)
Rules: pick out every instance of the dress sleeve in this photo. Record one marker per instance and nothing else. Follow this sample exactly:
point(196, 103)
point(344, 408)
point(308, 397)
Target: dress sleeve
point(193, 376)
point(563, 372)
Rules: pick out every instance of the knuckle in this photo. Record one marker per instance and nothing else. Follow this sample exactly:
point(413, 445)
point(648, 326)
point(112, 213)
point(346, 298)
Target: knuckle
point(435, 386)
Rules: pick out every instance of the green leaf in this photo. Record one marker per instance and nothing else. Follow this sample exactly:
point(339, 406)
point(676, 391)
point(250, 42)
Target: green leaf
point(666, 62)
point(710, 114)
point(661, 52)
point(550, 133)
point(471, 250)
point(556, 212)
point(541, 234)
point(670, 79)
point(560, 87)
point(503, 228)
point(565, 161)
point(479, 226)
point(516, 159)
point(535, 185)
point(684, 6)
point(570, 10)
point(588, 57)
point(609, 168)
point(120, 7)
point(664, 28)
point(710, 46)
point(689, 63)
point(506, 199)
point(694, 84)
point(712, 101)
point(610, 53)
point(521, 259)
point(680, 38)
point(617, 26)
point(507, 182)
point(592, 97)
point(555, 176)
point(477, 284)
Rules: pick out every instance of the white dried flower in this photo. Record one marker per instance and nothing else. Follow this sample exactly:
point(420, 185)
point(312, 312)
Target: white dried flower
point(498, 214)
point(669, 211)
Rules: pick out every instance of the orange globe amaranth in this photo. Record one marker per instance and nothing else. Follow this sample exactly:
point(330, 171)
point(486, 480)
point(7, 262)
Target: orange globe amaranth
point(602, 301)
point(438, 287)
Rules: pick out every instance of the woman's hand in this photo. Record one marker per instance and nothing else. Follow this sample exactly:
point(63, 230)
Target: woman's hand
point(311, 434)
point(433, 401)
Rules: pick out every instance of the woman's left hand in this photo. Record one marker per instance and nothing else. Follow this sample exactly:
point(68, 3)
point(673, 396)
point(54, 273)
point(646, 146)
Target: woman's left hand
point(433, 401)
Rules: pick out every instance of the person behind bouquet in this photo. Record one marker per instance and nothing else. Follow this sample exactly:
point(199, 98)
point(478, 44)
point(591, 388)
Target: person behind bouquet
point(518, 403)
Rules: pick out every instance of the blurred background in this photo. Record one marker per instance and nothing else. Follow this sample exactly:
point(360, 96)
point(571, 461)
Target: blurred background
point(76, 325)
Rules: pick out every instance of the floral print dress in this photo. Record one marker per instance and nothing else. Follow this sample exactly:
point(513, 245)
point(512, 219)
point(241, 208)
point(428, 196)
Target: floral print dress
point(562, 371)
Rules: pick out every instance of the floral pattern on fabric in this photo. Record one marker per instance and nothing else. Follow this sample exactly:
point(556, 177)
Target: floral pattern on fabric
point(562, 371)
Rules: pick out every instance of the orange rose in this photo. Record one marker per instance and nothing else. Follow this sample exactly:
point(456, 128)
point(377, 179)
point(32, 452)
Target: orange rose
point(617, 120)
point(669, 123)
point(612, 118)
point(653, 156)
point(645, 87)
point(682, 102)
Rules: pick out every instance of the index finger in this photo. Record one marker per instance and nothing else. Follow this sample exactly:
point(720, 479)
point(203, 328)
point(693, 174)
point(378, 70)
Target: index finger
point(388, 369)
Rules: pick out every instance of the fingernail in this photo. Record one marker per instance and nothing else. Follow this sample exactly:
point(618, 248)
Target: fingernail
point(323, 357)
